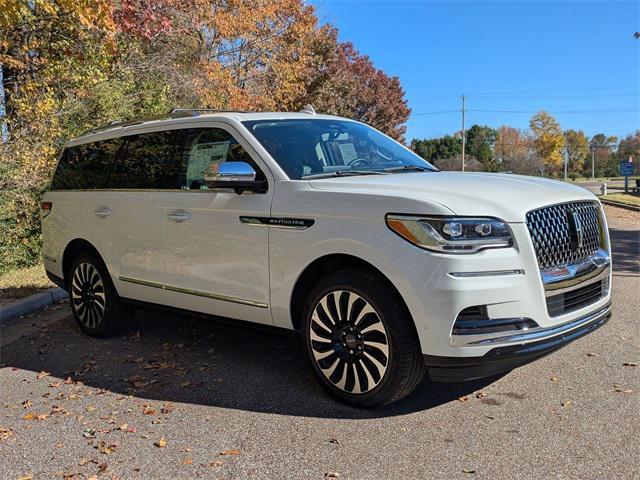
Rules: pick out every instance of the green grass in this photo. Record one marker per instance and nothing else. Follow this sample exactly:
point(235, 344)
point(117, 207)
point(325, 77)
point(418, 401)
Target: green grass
point(22, 282)
point(625, 198)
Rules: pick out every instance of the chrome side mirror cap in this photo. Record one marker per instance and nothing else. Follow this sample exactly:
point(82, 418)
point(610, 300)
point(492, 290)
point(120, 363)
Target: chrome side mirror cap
point(239, 176)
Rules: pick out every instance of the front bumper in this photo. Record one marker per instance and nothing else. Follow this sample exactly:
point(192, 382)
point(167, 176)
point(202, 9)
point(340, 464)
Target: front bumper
point(533, 346)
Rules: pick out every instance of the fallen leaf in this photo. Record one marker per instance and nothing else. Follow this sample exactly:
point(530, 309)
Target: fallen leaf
point(59, 445)
point(124, 426)
point(150, 411)
point(168, 408)
point(463, 399)
point(230, 452)
point(83, 461)
point(468, 470)
point(5, 433)
point(55, 384)
point(68, 381)
point(26, 477)
point(161, 443)
point(629, 364)
point(621, 389)
point(592, 354)
point(566, 403)
point(187, 461)
point(90, 408)
point(102, 467)
point(480, 394)
point(332, 475)
point(26, 404)
point(106, 449)
point(35, 416)
point(334, 441)
point(554, 379)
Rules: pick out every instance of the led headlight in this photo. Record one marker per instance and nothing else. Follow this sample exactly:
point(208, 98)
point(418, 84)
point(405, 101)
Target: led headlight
point(451, 234)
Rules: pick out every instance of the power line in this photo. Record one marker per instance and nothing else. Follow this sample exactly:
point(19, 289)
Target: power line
point(525, 92)
point(532, 112)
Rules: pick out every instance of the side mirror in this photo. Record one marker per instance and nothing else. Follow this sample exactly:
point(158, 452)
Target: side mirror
point(239, 176)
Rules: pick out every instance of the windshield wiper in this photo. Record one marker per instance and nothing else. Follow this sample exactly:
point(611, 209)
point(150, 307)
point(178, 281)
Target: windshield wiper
point(408, 168)
point(342, 173)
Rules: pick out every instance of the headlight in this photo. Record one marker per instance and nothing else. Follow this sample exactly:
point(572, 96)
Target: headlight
point(451, 234)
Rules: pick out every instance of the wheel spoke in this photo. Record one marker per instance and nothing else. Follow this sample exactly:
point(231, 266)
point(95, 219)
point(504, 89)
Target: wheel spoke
point(332, 308)
point(338, 377)
point(350, 380)
point(321, 319)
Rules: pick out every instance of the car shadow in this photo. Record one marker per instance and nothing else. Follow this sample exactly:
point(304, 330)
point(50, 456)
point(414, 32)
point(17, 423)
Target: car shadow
point(183, 359)
point(625, 245)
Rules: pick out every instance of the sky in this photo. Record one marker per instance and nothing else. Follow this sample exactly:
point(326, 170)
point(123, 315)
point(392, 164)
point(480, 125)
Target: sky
point(578, 60)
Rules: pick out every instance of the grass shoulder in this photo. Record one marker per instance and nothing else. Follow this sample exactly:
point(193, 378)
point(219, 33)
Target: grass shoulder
point(626, 198)
point(22, 282)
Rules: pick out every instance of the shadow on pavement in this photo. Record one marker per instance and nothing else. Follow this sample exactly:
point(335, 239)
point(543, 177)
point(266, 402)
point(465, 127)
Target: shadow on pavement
point(626, 251)
point(171, 358)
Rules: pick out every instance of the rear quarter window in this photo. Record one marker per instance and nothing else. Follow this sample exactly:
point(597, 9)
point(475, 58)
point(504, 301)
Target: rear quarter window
point(87, 166)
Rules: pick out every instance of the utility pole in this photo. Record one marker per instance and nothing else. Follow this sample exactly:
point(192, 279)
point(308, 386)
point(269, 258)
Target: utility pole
point(593, 162)
point(464, 137)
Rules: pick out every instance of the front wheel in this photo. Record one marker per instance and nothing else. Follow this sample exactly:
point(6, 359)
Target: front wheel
point(361, 340)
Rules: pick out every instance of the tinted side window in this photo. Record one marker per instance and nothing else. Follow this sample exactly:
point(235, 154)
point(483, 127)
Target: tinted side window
point(150, 161)
point(86, 166)
point(206, 148)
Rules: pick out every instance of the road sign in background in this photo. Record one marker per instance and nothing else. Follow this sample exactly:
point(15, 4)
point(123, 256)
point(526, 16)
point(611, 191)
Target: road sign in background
point(626, 168)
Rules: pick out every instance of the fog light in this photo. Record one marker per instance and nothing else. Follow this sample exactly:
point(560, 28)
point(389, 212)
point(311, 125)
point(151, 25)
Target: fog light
point(453, 229)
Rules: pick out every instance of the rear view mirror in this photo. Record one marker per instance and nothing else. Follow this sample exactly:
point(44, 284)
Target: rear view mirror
point(239, 176)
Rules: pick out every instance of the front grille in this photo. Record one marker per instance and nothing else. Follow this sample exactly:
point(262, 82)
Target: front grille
point(555, 238)
point(575, 299)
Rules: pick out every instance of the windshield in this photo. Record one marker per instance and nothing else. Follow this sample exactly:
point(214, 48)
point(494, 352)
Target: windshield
point(313, 147)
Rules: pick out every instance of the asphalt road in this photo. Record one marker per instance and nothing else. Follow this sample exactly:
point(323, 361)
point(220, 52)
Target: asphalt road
point(178, 397)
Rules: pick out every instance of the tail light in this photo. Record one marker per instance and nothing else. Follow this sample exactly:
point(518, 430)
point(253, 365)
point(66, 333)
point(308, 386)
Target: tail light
point(45, 208)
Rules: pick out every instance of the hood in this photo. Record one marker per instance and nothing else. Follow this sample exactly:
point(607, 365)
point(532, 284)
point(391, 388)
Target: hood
point(506, 196)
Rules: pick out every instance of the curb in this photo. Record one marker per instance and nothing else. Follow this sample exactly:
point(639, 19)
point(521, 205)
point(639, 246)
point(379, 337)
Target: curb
point(30, 304)
point(633, 208)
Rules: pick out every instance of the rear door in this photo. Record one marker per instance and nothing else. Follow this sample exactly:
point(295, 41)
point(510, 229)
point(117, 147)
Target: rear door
point(132, 209)
point(214, 262)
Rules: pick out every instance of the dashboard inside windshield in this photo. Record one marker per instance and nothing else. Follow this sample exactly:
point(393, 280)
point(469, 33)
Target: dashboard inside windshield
point(306, 147)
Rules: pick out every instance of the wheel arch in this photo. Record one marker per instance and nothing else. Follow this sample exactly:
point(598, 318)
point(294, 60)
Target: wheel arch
point(74, 248)
point(323, 266)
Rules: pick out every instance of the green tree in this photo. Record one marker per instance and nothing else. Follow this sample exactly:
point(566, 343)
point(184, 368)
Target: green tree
point(438, 151)
point(480, 144)
point(548, 141)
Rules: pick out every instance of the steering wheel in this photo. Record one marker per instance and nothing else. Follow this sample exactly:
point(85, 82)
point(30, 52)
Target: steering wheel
point(358, 161)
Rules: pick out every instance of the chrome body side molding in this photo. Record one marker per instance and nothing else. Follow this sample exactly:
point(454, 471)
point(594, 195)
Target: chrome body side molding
point(197, 293)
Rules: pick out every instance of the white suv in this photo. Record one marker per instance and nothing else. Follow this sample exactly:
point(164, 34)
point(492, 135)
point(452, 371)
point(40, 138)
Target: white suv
point(387, 267)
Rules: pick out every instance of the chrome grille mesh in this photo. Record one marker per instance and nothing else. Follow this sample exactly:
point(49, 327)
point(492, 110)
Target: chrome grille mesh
point(551, 233)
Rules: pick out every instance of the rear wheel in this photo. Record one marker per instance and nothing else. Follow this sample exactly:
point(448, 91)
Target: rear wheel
point(94, 301)
point(361, 340)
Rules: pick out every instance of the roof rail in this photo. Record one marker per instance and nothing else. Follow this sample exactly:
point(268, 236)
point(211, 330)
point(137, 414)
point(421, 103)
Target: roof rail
point(197, 111)
point(173, 113)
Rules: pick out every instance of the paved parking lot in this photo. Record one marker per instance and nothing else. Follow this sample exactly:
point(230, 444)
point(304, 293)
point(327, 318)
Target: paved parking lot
point(179, 397)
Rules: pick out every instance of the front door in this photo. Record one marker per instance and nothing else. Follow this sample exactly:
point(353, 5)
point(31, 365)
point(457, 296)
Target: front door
point(214, 263)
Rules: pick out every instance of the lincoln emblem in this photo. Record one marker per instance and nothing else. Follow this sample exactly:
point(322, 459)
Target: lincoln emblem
point(576, 233)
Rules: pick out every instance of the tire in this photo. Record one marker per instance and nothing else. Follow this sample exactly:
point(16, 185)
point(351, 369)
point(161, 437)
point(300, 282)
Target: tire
point(94, 301)
point(361, 340)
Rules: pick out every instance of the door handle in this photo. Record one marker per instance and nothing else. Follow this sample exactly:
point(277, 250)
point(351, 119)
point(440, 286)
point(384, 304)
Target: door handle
point(179, 216)
point(102, 212)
